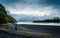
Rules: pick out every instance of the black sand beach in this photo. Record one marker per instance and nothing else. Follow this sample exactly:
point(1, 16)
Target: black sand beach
point(31, 31)
point(4, 34)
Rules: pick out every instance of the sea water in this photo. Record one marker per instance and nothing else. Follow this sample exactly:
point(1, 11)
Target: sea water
point(53, 24)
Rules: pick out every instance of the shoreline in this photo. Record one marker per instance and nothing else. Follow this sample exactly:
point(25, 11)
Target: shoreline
point(30, 34)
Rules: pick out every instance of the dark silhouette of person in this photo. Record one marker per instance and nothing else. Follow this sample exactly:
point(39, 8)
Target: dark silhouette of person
point(16, 27)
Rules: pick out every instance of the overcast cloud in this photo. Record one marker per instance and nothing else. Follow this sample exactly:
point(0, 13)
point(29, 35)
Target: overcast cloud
point(48, 8)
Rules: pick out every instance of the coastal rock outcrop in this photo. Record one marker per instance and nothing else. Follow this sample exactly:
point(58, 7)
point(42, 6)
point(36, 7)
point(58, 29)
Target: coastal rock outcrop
point(4, 17)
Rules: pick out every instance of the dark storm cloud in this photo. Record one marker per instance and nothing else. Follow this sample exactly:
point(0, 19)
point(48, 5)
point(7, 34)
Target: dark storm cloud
point(8, 1)
point(50, 2)
point(45, 2)
point(53, 2)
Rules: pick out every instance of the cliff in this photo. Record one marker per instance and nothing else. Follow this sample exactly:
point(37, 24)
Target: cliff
point(4, 17)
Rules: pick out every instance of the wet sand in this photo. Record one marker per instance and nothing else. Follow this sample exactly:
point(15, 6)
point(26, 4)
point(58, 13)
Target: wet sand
point(39, 31)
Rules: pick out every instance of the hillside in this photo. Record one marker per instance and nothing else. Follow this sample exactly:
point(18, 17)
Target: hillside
point(4, 17)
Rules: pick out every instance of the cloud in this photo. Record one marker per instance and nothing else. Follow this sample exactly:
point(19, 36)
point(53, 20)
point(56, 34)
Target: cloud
point(44, 2)
point(50, 8)
point(22, 17)
point(7, 2)
point(53, 2)
point(33, 10)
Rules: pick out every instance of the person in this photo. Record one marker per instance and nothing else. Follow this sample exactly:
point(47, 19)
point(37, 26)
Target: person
point(16, 27)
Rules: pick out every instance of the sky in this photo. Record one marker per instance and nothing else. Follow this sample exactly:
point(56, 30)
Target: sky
point(32, 9)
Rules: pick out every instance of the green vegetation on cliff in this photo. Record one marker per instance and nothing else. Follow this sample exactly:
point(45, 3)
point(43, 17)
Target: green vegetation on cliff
point(4, 17)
